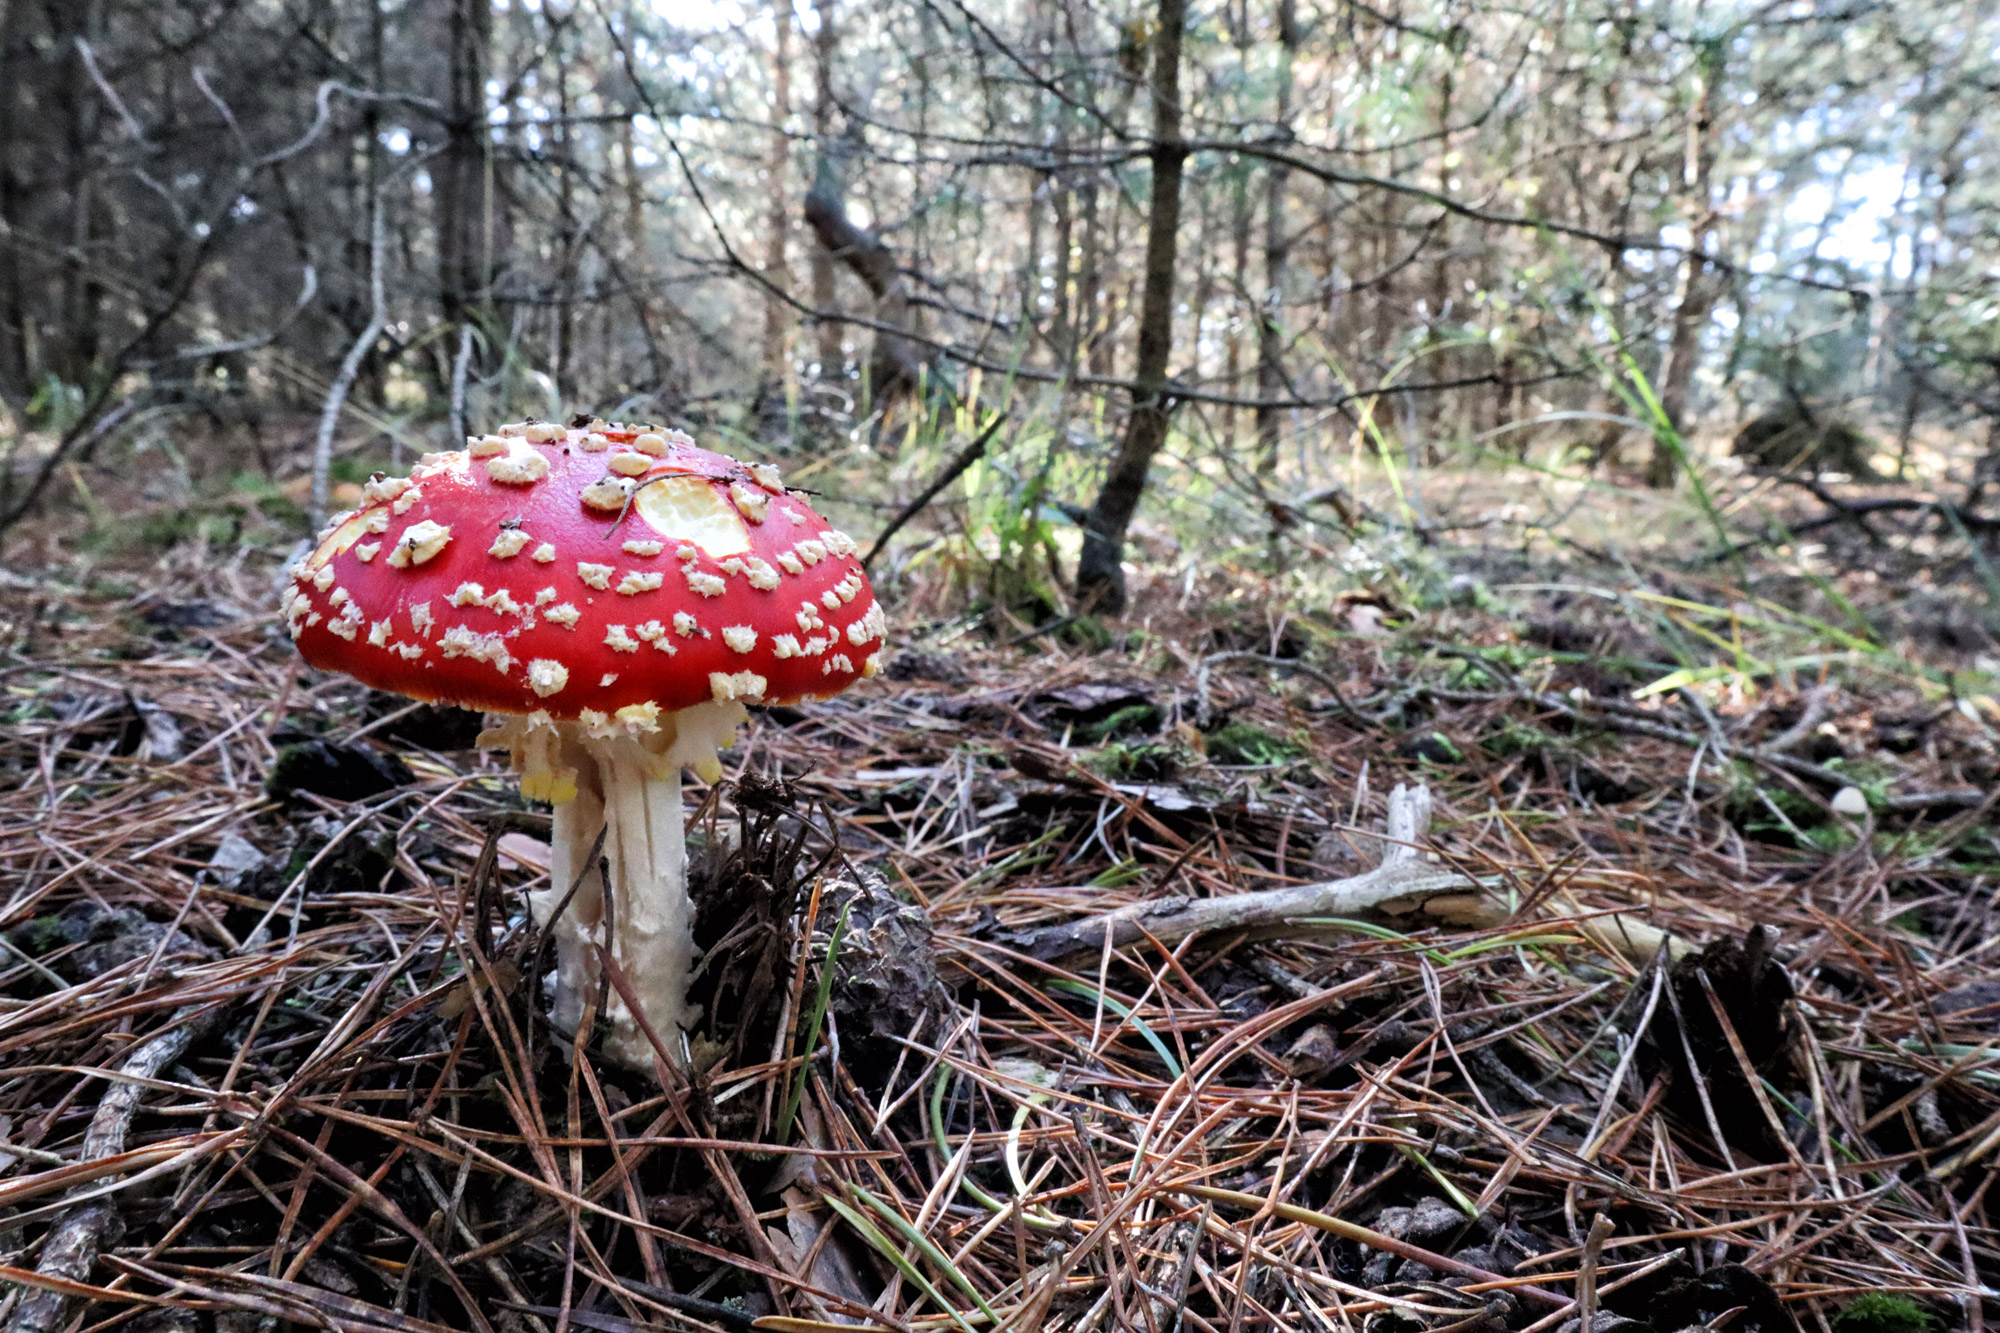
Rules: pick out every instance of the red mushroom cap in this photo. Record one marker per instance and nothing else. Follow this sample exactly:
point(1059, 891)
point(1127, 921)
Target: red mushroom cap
point(595, 568)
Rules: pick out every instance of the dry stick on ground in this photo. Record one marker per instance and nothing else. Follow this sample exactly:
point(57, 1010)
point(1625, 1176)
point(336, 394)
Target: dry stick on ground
point(70, 1249)
point(1402, 884)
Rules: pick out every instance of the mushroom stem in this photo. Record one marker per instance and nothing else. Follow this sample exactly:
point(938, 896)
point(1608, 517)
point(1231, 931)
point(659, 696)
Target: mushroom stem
point(620, 776)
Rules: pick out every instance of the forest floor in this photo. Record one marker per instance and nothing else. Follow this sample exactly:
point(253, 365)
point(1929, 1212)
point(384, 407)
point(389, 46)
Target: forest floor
point(1682, 1011)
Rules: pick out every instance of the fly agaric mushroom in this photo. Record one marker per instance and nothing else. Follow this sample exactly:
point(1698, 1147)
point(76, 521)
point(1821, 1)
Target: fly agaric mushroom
point(612, 597)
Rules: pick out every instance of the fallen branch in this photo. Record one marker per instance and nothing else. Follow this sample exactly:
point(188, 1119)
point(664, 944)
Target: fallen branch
point(71, 1248)
point(1402, 886)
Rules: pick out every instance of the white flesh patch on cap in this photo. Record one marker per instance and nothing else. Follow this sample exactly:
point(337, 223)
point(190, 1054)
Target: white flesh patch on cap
point(691, 509)
point(458, 641)
point(380, 490)
point(618, 639)
point(708, 585)
point(545, 554)
point(522, 468)
point(741, 638)
point(643, 548)
point(727, 686)
point(595, 576)
point(508, 544)
point(419, 544)
point(546, 676)
point(635, 583)
point(564, 615)
point(608, 494)
point(871, 625)
point(752, 503)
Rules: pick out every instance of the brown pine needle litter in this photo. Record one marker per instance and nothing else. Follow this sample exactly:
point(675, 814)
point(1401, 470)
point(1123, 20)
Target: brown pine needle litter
point(273, 1055)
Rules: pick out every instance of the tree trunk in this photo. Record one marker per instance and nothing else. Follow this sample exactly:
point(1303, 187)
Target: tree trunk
point(897, 364)
point(1271, 379)
point(779, 219)
point(1242, 305)
point(1696, 296)
point(460, 178)
point(832, 359)
point(568, 247)
point(1100, 573)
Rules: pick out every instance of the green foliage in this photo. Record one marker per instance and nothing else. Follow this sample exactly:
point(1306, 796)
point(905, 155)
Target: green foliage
point(1143, 719)
point(1243, 743)
point(1883, 1312)
point(55, 406)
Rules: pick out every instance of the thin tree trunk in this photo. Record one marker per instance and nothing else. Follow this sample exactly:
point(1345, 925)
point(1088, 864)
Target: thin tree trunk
point(1695, 296)
point(1271, 379)
point(635, 257)
point(568, 250)
point(1100, 575)
point(460, 179)
point(18, 370)
point(832, 359)
point(1242, 306)
point(778, 220)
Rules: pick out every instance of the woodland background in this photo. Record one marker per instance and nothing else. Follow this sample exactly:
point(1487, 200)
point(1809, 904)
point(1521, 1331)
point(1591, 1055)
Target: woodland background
point(1539, 449)
point(1279, 251)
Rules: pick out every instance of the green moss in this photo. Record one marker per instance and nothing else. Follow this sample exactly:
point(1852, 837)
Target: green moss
point(42, 935)
point(1241, 743)
point(1156, 761)
point(1512, 738)
point(1883, 1312)
point(1133, 719)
